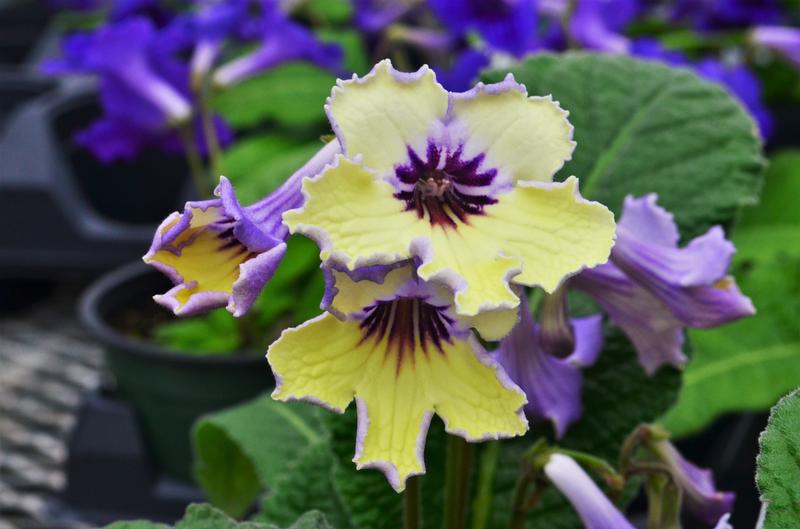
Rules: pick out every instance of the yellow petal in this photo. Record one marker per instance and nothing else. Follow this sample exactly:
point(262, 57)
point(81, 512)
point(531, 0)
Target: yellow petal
point(205, 262)
point(353, 296)
point(326, 361)
point(530, 137)
point(354, 217)
point(551, 228)
point(379, 115)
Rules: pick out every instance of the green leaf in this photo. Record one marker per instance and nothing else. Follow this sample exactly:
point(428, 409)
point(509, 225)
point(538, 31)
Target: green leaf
point(203, 516)
point(330, 11)
point(352, 44)
point(291, 95)
point(761, 353)
point(214, 333)
point(258, 165)
point(245, 449)
point(642, 127)
point(307, 483)
point(778, 471)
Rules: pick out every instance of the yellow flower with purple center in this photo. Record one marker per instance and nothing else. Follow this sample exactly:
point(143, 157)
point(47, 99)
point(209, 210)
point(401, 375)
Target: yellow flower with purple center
point(393, 342)
point(462, 182)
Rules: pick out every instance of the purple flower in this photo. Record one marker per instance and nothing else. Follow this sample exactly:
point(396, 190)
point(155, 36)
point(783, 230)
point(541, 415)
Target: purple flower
point(552, 385)
point(745, 86)
point(461, 76)
point(593, 507)
point(716, 14)
point(210, 25)
point(700, 496)
point(784, 40)
point(221, 254)
point(506, 25)
point(652, 289)
point(144, 89)
point(283, 41)
point(597, 24)
point(373, 16)
point(649, 48)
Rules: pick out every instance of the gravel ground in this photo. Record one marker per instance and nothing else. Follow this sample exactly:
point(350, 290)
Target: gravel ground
point(47, 364)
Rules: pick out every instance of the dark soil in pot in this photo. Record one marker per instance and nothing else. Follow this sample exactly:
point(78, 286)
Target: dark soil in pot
point(139, 191)
point(168, 390)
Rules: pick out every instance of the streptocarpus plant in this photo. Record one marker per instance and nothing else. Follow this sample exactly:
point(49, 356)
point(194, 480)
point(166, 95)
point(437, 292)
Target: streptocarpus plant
point(435, 213)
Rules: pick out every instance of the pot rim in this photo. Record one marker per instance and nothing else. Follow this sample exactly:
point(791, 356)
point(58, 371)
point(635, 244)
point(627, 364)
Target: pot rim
point(95, 323)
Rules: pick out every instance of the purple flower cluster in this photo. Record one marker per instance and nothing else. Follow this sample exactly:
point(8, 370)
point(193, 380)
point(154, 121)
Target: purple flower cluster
point(150, 61)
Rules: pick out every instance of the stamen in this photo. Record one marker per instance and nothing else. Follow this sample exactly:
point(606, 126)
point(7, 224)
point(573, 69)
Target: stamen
point(436, 181)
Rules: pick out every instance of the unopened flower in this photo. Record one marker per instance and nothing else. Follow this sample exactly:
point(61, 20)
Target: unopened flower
point(782, 39)
point(593, 507)
point(652, 289)
point(460, 181)
point(283, 41)
point(221, 254)
point(553, 385)
point(403, 354)
point(700, 496)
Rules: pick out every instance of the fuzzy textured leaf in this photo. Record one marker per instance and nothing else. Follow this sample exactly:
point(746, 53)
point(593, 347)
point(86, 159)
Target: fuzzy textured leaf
point(778, 472)
point(643, 127)
point(204, 516)
point(244, 450)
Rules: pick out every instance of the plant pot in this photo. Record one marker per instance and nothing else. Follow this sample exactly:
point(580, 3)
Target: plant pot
point(168, 390)
point(22, 23)
point(16, 88)
point(81, 217)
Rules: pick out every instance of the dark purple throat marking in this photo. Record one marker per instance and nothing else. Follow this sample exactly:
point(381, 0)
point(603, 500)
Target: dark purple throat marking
point(447, 190)
point(407, 323)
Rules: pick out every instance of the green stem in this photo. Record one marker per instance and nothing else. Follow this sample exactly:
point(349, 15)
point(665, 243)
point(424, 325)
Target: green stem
point(459, 464)
point(412, 509)
point(199, 175)
point(518, 507)
point(210, 133)
point(483, 498)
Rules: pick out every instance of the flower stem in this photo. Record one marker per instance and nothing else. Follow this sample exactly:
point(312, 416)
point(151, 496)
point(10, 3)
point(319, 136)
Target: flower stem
point(412, 509)
point(210, 133)
point(518, 510)
point(459, 465)
point(483, 498)
point(199, 175)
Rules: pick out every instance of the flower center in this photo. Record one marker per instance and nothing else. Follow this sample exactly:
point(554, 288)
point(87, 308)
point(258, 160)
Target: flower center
point(407, 324)
point(445, 187)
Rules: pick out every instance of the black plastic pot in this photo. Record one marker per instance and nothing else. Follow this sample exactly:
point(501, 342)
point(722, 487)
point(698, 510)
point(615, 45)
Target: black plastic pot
point(168, 390)
point(22, 24)
point(17, 87)
point(72, 215)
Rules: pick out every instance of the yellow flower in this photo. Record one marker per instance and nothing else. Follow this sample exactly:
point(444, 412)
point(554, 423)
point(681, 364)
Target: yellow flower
point(403, 354)
point(461, 182)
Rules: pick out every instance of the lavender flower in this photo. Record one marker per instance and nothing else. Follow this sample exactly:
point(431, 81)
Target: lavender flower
point(782, 39)
point(506, 25)
point(461, 76)
point(552, 385)
point(283, 41)
point(700, 496)
point(652, 289)
point(593, 507)
point(221, 254)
